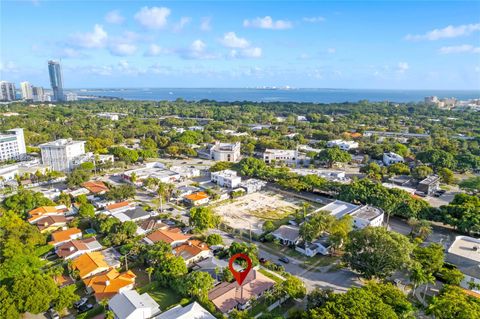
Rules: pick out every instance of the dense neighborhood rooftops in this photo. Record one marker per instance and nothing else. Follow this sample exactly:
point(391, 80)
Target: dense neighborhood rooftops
point(191, 311)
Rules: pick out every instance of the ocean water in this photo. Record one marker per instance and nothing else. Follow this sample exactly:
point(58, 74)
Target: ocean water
point(276, 95)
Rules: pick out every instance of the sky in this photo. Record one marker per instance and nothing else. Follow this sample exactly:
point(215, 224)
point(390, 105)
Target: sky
point(314, 44)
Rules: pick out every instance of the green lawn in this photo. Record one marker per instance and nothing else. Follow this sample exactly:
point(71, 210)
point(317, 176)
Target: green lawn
point(269, 275)
point(165, 297)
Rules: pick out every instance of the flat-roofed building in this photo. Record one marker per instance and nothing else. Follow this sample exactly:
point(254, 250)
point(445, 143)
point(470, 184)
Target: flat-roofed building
point(12, 145)
point(465, 254)
point(287, 157)
point(363, 216)
point(226, 178)
point(61, 154)
point(429, 185)
point(342, 144)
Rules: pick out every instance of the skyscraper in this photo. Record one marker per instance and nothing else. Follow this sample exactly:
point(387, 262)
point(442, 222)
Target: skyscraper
point(38, 94)
point(7, 91)
point(27, 91)
point(56, 80)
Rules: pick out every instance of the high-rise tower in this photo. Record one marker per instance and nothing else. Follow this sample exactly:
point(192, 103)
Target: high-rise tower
point(56, 80)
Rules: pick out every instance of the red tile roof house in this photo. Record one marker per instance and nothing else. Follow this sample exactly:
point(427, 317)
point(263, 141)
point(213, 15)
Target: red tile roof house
point(228, 296)
point(75, 248)
point(96, 187)
point(65, 235)
point(118, 208)
point(193, 251)
point(172, 236)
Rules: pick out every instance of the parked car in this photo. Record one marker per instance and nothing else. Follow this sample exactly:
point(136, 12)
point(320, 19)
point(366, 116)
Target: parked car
point(85, 307)
point(263, 260)
point(284, 259)
point(53, 314)
point(81, 302)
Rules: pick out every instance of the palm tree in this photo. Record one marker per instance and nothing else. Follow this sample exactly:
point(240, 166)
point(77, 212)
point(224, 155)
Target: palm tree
point(417, 276)
point(149, 271)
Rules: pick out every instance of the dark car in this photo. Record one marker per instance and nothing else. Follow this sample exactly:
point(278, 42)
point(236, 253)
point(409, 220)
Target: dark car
point(85, 307)
point(263, 260)
point(284, 259)
point(230, 236)
point(81, 302)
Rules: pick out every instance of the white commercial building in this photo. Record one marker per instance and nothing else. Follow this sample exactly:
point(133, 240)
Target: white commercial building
point(226, 178)
point(363, 216)
point(8, 173)
point(61, 154)
point(12, 145)
point(151, 170)
point(287, 157)
point(343, 145)
point(392, 158)
point(131, 305)
point(7, 91)
point(465, 254)
point(27, 90)
point(226, 152)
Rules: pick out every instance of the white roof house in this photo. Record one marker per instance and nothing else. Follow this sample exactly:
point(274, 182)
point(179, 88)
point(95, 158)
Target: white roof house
point(226, 178)
point(191, 311)
point(131, 305)
point(363, 216)
point(392, 158)
point(465, 254)
point(343, 145)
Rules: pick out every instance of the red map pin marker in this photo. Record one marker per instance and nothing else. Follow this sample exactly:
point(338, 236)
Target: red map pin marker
point(240, 275)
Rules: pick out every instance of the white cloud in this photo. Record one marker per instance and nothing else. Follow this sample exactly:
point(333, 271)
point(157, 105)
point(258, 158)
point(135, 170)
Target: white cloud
point(153, 18)
point(114, 17)
point(402, 67)
point(181, 24)
point(122, 49)
point(90, 40)
point(267, 23)
point(251, 53)
point(205, 24)
point(197, 50)
point(8, 67)
point(155, 50)
point(230, 40)
point(465, 48)
point(313, 19)
point(447, 32)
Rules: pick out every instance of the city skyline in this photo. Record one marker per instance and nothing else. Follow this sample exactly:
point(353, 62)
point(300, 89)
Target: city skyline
point(375, 45)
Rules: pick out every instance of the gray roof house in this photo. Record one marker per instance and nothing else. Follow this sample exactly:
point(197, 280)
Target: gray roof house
point(131, 305)
point(287, 234)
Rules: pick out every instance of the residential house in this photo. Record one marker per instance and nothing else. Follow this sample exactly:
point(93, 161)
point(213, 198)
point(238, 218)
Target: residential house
point(343, 145)
point(197, 199)
point(228, 295)
point(191, 311)
point(183, 191)
point(145, 226)
point(42, 211)
point(172, 236)
point(428, 186)
point(118, 208)
point(214, 267)
point(391, 158)
point(135, 214)
point(90, 264)
point(287, 234)
point(131, 305)
point(72, 249)
point(107, 284)
point(50, 223)
point(193, 251)
point(465, 254)
point(96, 187)
point(226, 178)
point(65, 235)
point(319, 246)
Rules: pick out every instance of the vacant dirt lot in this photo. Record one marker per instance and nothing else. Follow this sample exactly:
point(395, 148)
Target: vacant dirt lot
point(253, 210)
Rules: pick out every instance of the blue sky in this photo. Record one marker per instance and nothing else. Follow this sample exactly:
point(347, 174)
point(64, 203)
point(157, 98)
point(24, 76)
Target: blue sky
point(385, 45)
